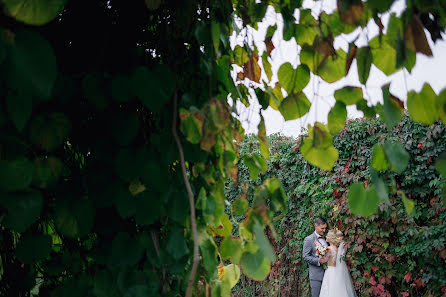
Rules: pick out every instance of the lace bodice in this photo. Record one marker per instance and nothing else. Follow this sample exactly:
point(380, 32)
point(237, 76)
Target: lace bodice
point(332, 251)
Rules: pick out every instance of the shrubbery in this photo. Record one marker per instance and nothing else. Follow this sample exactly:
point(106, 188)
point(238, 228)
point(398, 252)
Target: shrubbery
point(390, 253)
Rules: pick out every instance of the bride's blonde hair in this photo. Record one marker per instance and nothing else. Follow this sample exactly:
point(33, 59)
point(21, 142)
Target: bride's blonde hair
point(335, 236)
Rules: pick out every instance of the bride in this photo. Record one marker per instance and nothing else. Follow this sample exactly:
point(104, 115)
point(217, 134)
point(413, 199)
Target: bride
point(337, 281)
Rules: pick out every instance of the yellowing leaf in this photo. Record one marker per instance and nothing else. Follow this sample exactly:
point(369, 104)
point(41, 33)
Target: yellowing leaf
point(263, 142)
point(350, 12)
point(415, 38)
point(379, 161)
point(267, 66)
point(422, 107)
point(231, 275)
point(408, 203)
point(294, 106)
point(251, 69)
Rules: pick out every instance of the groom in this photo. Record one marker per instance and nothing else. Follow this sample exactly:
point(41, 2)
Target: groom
point(316, 269)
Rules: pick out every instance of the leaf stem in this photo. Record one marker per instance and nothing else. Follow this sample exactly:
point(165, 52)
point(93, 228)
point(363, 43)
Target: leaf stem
point(190, 195)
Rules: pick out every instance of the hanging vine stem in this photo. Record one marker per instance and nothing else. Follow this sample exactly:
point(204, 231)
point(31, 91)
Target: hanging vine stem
point(189, 194)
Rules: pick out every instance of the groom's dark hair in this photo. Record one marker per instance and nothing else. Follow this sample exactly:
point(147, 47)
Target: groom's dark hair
point(319, 221)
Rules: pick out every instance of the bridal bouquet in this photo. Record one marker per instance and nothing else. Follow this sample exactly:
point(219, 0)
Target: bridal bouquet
point(321, 251)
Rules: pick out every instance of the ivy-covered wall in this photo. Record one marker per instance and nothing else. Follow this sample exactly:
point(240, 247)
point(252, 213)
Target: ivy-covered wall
point(390, 253)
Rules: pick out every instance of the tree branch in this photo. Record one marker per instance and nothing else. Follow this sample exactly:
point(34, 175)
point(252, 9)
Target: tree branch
point(190, 195)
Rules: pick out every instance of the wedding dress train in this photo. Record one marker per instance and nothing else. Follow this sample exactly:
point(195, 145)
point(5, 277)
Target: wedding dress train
point(337, 281)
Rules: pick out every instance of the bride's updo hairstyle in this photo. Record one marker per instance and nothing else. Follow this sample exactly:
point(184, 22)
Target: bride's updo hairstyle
point(335, 236)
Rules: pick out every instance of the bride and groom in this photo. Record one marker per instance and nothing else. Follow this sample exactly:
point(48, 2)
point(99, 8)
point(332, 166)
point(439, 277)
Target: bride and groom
point(335, 281)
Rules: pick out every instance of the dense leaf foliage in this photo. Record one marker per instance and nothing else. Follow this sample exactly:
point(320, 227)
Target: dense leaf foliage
point(99, 196)
point(390, 253)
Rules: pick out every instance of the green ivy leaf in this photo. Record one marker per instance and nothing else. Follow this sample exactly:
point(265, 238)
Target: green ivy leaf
point(384, 56)
point(369, 112)
point(125, 251)
point(15, 175)
point(409, 204)
point(349, 95)
point(337, 117)
point(267, 66)
point(47, 171)
point(361, 201)
point(176, 244)
point(231, 248)
point(379, 185)
point(34, 12)
point(255, 265)
point(294, 106)
point(33, 62)
point(293, 80)
point(231, 275)
point(239, 55)
point(192, 125)
point(224, 229)
point(318, 147)
point(422, 107)
point(263, 242)
point(33, 248)
point(379, 161)
point(256, 165)
point(74, 218)
point(239, 206)
point(397, 156)
point(49, 130)
point(364, 62)
point(392, 112)
point(208, 251)
point(24, 209)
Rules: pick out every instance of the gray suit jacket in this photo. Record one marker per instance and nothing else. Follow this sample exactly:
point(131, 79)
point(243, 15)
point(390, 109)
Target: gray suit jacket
point(309, 255)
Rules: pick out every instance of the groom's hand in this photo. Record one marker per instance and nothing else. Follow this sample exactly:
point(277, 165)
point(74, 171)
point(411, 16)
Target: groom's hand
point(323, 260)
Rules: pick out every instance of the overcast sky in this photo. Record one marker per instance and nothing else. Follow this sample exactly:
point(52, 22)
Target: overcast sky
point(320, 93)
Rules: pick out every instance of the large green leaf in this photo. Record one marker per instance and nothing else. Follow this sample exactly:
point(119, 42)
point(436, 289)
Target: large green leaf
point(121, 88)
point(294, 106)
point(361, 201)
point(336, 117)
point(15, 175)
point(392, 111)
point(384, 56)
point(396, 155)
point(125, 251)
point(255, 265)
point(224, 229)
point(176, 244)
point(349, 95)
point(47, 171)
point(49, 130)
point(441, 105)
point(364, 62)
point(34, 12)
point(231, 248)
point(263, 242)
point(379, 185)
point(124, 127)
point(74, 218)
point(263, 141)
point(267, 66)
point(293, 80)
point(239, 206)
point(19, 108)
point(239, 55)
point(379, 161)
point(148, 208)
point(155, 87)
point(24, 208)
point(422, 107)
point(231, 275)
point(409, 204)
point(33, 248)
point(332, 69)
point(208, 251)
point(104, 285)
point(192, 125)
point(33, 62)
point(318, 147)
point(279, 198)
point(256, 165)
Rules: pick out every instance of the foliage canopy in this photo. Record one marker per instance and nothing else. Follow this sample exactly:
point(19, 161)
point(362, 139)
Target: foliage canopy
point(100, 196)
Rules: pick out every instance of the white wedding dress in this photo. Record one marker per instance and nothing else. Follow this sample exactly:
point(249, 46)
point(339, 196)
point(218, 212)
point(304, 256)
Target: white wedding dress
point(337, 281)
